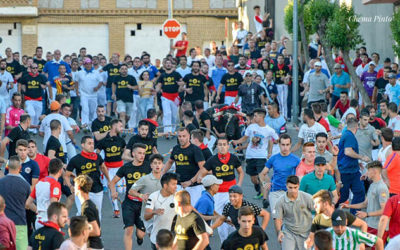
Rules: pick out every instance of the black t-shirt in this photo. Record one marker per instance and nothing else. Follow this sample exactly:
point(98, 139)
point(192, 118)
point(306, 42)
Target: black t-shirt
point(132, 173)
point(204, 117)
point(191, 127)
point(46, 238)
point(255, 54)
point(206, 153)
point(91, 212)
point(232, 81)
point(186, 161)
point(380, 84)
point(83, 165)
point(113, 147)
point(54, 144)
point(16, 134)
point(226, 172)
point(112, 71)
point(187, 228)
point(235, 241)
point(101, 127)
point(122, 91)
point(149, 142)
point(196, 82)
point(233, 213)
point(40, 63)
point(169, 82)
point(14, 68)
point(33, 85)
point(280, 73)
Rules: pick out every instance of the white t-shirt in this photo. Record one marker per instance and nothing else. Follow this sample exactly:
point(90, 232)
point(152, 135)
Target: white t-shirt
point(393, 243)
point(157, 201)
point(88, 81)
point(241, 36)
point(394, 123)
point(308, 133)
point(69, 245)
point(45, 128)
point(136, 72)
point(210, 61)
point(5, 79)
point(259, 150)
point(258, 25)
point(184, 72)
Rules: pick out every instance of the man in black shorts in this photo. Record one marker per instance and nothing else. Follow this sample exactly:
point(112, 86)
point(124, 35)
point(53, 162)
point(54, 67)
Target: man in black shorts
point(189, 227)
point(83, 185)
point(247, 236)
point(90, 163)
point(141, 137)
point(188, 159)
point(50, 235)
point(132, 206)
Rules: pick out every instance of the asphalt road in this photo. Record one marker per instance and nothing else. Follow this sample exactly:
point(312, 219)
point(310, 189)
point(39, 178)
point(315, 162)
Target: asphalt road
point(112, 228)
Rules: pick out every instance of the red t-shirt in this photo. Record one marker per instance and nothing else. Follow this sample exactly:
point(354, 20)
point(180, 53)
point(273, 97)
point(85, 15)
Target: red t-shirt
point(324, 123)
point(339, 105)
point(303, 169)
point(181, 52)
point(392, 165)
point(43, 162)
point(392, 210)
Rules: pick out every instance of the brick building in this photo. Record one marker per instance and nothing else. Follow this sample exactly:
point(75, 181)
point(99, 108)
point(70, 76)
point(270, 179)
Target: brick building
point(107, 26)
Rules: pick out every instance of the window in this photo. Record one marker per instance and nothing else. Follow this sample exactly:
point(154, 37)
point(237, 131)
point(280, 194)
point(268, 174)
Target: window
point(183, 4)
point(222, 4)
point(89, 4)
point(51, 4)
point(149, 4)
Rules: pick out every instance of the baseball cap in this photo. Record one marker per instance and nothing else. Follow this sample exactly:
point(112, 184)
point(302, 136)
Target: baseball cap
point(337, 66)
point(392, 76)
point(339, 218)
point(236, 189)
point(248, 72)
point(318, 64)
point(55, 106)
point(210, 180)
point(319, 160)
point(372, 63)
point(87, 60)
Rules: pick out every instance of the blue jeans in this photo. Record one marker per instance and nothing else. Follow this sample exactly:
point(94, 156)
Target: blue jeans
point(353, 182)
point(145, 104)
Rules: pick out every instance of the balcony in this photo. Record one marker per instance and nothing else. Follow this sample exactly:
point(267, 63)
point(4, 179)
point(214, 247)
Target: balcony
point(24, 8)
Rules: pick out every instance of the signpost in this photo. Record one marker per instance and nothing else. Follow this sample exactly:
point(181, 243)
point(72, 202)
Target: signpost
point(171, 28)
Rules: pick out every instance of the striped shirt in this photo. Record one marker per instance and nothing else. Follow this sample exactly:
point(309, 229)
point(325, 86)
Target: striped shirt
point(351, 239)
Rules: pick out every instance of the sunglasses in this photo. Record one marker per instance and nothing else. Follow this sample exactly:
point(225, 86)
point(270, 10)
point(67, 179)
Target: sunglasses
point(34, 67)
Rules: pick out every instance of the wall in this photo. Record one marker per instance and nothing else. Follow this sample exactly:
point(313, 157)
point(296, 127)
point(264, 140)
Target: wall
point(377, 34)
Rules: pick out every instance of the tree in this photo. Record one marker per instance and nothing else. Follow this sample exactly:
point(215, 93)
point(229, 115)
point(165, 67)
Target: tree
point(395, 27)
point(305, 28)
point(321, 12)
point(342, 33)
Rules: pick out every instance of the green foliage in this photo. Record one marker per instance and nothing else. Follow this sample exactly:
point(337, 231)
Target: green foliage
point(304, 10)
point(395, 27)
point(320, 10)
point(342, 29)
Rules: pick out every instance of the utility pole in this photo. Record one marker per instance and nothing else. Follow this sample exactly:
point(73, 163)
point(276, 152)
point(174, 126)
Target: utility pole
point(170, 16)
point(295, 81)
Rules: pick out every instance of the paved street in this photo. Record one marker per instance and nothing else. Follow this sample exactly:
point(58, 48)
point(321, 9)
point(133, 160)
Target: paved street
point(112, 229)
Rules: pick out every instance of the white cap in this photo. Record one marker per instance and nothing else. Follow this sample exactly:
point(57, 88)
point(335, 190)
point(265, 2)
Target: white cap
point(372, 63)
point(248, 72)
point(210, 180)
point(318, 64)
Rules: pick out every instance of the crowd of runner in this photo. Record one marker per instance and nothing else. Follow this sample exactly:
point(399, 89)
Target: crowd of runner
point(342, 193)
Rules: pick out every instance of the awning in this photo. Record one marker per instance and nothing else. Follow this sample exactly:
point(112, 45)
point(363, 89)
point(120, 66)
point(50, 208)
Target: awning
point(18, 11)
point(378, 1)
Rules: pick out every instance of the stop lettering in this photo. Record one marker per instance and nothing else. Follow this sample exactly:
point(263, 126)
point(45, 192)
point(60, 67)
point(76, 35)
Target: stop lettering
point(171, 28)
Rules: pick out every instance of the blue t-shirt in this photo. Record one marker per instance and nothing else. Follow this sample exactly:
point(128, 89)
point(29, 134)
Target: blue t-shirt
point(51, 68)
point(283, 167)
point(343, 79)
point(15, 191)
point(275, 123)
point(216, 75)
point(152, 71)
point(346, 164)
point(394, 94)
point(205, 205)
point(29, 170)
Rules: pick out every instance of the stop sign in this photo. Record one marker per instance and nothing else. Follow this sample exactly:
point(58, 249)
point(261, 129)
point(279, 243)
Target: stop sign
point(171, 28)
